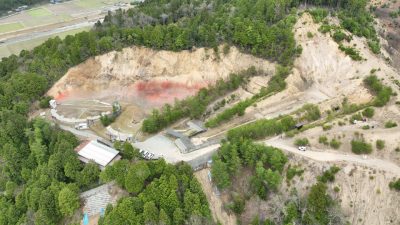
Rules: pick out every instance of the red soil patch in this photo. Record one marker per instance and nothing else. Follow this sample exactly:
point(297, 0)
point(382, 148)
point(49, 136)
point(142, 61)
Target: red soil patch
point(61, 96)
point(161, 92)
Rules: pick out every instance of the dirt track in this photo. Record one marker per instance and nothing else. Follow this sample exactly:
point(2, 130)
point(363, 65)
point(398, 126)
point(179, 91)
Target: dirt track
point(326, 156)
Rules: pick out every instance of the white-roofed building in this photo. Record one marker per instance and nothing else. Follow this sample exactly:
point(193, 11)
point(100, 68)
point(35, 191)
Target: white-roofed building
point(100, 153)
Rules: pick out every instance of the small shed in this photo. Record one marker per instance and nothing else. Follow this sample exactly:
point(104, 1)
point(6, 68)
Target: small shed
point(299, 126)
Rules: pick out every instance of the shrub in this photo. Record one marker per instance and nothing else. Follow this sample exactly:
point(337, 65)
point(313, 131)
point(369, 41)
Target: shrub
point(238, 204)
point(339, 36)
point(390, 124)
point(312, 112)
point(374, 46)
point(318, 14)
point(380, 144)
point(106, 120)
point(335, 143)
point(44, 102)
point(329, 175)
point(381, 91)
point(292, 172)
point(336, 189)
point(356, 116)
point(395, 185)
point(323, 140)
point(365, 127)
point(301, 142)
point(360, 147)
point(352, 52)
point(326, 127)
point(368, 112)
point(309, 34)
point(325, 28)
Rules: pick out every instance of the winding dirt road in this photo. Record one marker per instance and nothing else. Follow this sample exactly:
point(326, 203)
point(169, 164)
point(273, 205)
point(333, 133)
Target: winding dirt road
point(326, 156)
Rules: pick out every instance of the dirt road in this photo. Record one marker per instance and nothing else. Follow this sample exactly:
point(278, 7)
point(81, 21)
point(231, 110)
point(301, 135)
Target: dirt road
point(326, 156)
point(216, 203)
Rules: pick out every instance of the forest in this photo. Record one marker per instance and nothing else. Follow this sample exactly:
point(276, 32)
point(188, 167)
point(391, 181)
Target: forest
point(40, 173)
point(161, 193)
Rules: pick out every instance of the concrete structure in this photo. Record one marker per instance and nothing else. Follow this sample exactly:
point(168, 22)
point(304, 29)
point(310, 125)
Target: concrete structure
point(118, 136)
point(53, 104)
point(100, 153)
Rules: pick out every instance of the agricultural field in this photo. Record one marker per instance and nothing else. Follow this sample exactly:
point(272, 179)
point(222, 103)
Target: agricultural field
point(29, 28)
point(16, 48)
point(4, 28)
point(40, 12)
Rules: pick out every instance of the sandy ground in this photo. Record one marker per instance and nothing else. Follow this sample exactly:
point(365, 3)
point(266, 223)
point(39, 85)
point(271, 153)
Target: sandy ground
point(215, 202)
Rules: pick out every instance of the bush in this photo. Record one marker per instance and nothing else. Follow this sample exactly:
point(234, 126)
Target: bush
point(238, 204)
point(352, 52)
point(301, 142)
point(381, 91)
point(380, 144)
point(339, 36)
point(374, 46)
point(329, 175)
point(44, 102)
point(368, 112)
point(318, 14)
point(323, 140)
point(106, 120)
point(326, 127)
point(360, 147)
point(292, 172)
point(335, 143)
point(309, 34)
point(356, 116)
point(365, 127)
point(390, 124)
point(395, 185)
point(312, 112)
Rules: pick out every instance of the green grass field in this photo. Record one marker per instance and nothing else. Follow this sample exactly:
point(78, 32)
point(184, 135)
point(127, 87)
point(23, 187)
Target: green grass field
point(88, 4)
point(40, 12)
point(10, 27)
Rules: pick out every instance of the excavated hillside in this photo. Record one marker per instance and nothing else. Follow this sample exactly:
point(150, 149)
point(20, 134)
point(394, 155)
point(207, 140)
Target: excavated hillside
point(144, 76)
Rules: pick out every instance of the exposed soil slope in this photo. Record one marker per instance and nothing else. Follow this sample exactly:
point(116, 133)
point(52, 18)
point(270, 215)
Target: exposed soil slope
point(146, 76)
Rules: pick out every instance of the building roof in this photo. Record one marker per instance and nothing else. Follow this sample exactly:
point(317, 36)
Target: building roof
point(99, 153)
point(196, 125)
point(175, 134)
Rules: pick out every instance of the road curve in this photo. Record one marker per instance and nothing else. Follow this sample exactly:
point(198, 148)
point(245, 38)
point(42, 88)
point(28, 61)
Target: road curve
point(324, 156)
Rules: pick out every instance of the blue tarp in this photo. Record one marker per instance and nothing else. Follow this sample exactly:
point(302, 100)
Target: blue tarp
point(85, 219)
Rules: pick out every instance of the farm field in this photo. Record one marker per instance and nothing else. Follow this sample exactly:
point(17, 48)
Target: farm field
point(16, 48)
point(4, 28)
point(31, 27)
point(39, 12)
point(56, 13)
